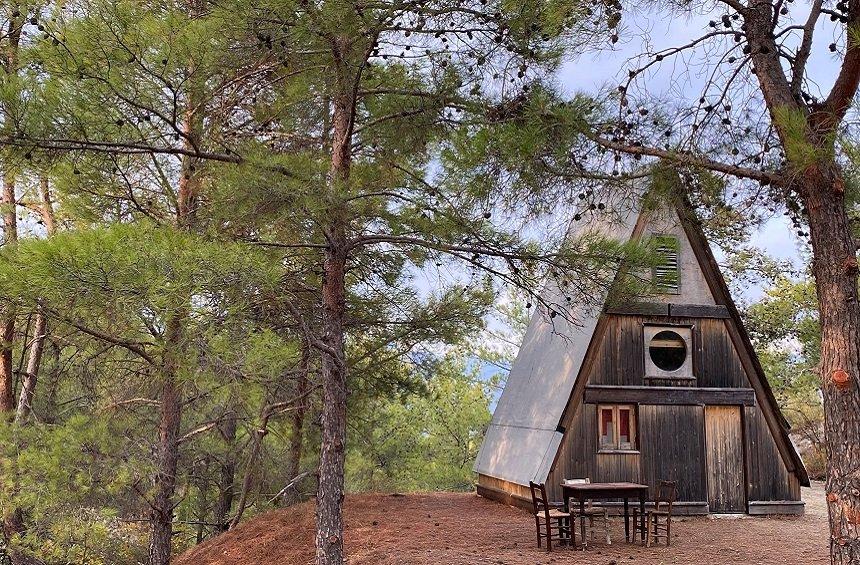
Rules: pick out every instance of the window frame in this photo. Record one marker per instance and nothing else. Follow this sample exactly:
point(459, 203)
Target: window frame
point(617, 446)
point(687, 371)
point(661, 242)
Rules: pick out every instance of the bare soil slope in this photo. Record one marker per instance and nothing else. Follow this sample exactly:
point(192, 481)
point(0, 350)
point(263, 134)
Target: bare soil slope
point(460, 529)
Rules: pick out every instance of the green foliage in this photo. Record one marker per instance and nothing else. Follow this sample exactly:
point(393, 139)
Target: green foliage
point(422, 442)
point(128, 104)
point(785, 331)
point(137, 273)
point(798, 149)
point(71, 490)
point(527, 142)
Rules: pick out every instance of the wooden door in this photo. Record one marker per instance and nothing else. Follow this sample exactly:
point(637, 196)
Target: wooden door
point(724, 448)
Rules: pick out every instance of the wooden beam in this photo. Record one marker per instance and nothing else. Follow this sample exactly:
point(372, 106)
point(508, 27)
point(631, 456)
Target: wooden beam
point(670, 310)
point(698, 311)
point(669, 395)
point(639, 309)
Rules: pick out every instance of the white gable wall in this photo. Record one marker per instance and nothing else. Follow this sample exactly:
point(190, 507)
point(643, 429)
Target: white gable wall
point(694, 287)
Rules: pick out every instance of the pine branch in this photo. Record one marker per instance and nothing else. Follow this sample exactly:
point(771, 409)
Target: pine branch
point(689, 159)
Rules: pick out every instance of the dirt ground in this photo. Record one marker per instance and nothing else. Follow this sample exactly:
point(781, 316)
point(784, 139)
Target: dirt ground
point(461, 528)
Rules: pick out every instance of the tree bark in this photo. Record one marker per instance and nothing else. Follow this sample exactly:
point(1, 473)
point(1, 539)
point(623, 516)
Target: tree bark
point(171, 397)
point(10, 223)
point(46, 206)
point(330, 495)
point(227, 477)
point(250, 463)
point(10, 233)
point(297, 423)
point(37, 345)
point(28, 386)
point(834, 261)
point(170, 417)
point(834, 266)
point(329, 514)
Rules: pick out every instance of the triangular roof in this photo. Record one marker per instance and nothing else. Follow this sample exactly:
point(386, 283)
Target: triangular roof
point(523, 438)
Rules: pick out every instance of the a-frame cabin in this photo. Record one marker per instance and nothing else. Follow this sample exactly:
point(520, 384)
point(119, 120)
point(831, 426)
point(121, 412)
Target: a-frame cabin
point(668, 388)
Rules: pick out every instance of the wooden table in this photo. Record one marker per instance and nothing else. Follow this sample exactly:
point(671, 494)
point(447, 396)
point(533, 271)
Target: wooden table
point(604, 491)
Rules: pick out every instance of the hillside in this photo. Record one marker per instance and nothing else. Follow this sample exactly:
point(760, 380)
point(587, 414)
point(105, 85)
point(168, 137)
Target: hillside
point(461, 529)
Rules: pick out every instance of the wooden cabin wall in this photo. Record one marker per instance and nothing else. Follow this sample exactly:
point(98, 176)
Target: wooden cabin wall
point(620, 358)
point(671, 437)
point(716, 363)
point(673, 441)
point(676, 433)
point(578, 456)
point(767, 477)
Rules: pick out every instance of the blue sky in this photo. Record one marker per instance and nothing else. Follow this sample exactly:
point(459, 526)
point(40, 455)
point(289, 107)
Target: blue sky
point(655, 29)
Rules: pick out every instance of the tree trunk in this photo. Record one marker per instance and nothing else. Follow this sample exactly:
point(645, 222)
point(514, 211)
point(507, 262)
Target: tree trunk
point(50, 414)
point(227, 477)
point(170, 417)
point(200, 473)
point(28, 388)
point(329, 539)
point(329, 510)
point(46, 206)
point(170, 411)
point(297, 423)
point(250, 463)
point(834, 265)
point(10, 222)
point(7, 329)
point(37, 346)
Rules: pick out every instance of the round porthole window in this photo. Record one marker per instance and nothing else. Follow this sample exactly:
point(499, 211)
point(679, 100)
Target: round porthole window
point(668, 350)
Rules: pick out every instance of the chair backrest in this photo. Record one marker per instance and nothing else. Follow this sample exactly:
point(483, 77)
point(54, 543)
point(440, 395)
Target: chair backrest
point(539, 498)
point(666, 493)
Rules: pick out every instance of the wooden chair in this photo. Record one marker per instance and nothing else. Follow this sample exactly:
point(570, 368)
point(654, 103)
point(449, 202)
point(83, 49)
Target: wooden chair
point(659, 519)
point(592, 513)
point(550, 522)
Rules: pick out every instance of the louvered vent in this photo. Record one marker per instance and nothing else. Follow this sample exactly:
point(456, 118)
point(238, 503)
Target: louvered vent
point(667, 271)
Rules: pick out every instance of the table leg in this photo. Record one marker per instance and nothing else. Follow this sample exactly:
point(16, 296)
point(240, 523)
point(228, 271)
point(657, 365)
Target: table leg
point(627, 521)
point(642, 533)
point(582, 521)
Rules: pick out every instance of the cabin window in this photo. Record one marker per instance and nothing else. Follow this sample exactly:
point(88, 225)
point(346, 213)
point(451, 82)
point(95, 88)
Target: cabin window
point(668, 352)
point(617, 426)
point(666, 275)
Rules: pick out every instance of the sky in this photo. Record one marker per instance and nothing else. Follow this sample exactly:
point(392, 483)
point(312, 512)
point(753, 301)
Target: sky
point(655, 29)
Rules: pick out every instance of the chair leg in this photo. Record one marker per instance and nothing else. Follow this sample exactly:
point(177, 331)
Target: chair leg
point(606, 525)
point(668, 531)
point(537, 526)
point(648, 532)
point(548, 537)
point(636, 528)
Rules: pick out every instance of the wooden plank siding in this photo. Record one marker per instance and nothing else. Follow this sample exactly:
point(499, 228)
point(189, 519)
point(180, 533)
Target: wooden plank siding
point(669, 395)
point(767, 477)
point(577, 454)
point(671, 429)
point(620, 358)
point(671, 441)
point(718, 362)
point(671, 447)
